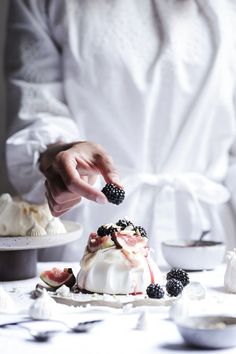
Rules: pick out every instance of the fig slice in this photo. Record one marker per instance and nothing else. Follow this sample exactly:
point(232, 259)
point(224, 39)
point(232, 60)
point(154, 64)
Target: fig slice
point(127, 241)
point(96, 242)
point(57, 277)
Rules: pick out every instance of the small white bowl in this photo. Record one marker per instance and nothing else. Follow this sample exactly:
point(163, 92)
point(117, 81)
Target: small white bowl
point(212, 332)
point(189, 256)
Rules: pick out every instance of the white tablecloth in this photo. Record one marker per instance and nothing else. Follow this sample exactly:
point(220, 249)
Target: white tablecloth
point(118, 334)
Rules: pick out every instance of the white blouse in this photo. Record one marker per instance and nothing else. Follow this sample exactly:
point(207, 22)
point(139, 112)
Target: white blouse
point(154, 82)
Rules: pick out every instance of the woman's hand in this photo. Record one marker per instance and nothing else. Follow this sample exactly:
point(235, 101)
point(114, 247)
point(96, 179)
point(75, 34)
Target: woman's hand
point(71, 170)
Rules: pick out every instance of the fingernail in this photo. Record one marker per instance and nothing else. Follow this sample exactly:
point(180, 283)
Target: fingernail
point(101, 200)
point(115, 178)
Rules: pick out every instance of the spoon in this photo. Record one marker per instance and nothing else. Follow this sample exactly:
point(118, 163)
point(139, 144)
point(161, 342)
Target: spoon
point(82, 327)
point(37, 335)
point(45, 335)
point(41, 336)
point(203, 234)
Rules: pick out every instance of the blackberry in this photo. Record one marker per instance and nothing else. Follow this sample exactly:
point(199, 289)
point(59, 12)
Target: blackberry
point(155, 291)
point(111, 230)
point(113, 193)
point(123, 223)
point(174, 287)
point(105, 231)
point(102, 231)
point(140, 231)
point(178, 274)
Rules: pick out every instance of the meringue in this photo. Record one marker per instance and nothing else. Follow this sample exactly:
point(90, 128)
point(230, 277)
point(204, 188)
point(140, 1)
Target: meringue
point(55, 227)
point(142, 323)
point(43, 308)
point(180, 308)
point(35, 230)
point(7, 305)
point(230, 273)
point(19, 218)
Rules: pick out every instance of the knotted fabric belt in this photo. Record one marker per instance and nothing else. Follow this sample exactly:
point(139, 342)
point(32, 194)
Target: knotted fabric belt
point(196, 190)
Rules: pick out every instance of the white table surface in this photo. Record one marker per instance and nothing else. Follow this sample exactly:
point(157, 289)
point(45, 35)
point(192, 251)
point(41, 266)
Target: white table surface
point(117, 334)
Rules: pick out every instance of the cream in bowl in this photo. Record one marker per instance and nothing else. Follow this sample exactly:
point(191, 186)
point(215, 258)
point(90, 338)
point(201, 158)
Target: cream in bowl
point(211, 332)
point(193, 255)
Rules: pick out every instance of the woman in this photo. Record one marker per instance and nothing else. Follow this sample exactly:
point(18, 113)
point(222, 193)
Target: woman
point(150, 83)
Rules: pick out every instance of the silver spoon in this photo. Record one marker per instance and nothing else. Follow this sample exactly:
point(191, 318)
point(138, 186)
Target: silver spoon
point(82, 327)
point(38, 335)
point(44, 336)
point(203, 234)
point(41, 336)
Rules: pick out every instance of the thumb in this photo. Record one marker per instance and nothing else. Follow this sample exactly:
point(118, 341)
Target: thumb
point(108, 170)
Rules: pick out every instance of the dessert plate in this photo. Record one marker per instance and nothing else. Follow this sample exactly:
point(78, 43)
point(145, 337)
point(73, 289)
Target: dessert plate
point(115, 301)
point(15, 243)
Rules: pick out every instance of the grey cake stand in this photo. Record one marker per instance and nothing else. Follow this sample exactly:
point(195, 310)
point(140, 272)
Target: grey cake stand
point(18, 254)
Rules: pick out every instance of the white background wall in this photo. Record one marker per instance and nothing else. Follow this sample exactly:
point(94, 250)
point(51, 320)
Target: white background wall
point(3, 179)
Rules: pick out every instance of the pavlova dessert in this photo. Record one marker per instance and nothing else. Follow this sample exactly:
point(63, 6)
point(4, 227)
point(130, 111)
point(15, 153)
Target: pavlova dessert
point(117, 260)
point(19, 218)
point(117, 269)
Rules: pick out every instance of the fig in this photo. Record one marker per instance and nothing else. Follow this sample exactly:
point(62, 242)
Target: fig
point(96, 243)
point(57, 277)
point(128, 241)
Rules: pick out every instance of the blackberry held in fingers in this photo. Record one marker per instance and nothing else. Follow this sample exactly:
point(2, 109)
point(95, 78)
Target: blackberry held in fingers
point(174, 287)
point(113, 193)
point(178, 274)
point(155, 291)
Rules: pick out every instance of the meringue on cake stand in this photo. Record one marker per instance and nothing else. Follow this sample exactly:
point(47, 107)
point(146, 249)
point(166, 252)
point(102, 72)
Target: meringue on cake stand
point(18, 254)
point(25, 228)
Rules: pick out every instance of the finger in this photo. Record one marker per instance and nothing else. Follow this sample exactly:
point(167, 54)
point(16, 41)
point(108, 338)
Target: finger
point(66, 167)
point(105, 165)
point(84, 178)
point(92, 179)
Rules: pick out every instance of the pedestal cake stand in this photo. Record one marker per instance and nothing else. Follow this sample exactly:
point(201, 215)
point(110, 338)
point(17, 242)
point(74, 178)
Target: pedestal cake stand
point(18, 254)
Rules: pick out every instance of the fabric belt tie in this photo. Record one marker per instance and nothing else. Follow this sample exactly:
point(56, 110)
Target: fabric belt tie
point(188, 205)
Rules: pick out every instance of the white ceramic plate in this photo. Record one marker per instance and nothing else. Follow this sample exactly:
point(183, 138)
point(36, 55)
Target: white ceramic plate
point(115, 301)
point(14, 243)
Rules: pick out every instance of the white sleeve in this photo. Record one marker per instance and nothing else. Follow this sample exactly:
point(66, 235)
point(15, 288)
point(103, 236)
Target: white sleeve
point(37, 109)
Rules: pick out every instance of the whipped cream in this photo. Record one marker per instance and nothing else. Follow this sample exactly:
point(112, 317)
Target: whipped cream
point(118, 264)
point(7, 305)
point(19, 218)
point(230, 273)
point(43, 308)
